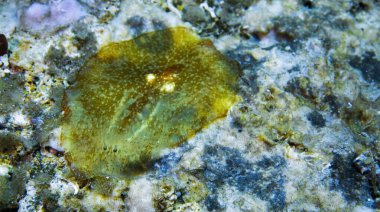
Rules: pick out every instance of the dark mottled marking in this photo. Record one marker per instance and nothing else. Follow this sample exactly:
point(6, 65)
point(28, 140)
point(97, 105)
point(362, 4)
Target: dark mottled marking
point(359, 6)
point(212, 203)
point(334, 103)
point(316, 119)
point(224, 165)
point(165, 164)
point(137, 23)
point(294, 69)
point(302, 87)
point(354, 186)
point(237, 124)
point(246, 60)
point(368, 65)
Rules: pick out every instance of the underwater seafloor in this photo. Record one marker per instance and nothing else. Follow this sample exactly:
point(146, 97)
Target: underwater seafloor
point(303, 136)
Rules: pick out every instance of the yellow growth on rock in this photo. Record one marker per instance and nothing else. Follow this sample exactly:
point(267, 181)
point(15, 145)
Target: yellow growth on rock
point(135, 98)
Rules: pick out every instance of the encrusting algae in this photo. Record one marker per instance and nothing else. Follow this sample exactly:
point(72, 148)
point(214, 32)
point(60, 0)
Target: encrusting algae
point(135, 98)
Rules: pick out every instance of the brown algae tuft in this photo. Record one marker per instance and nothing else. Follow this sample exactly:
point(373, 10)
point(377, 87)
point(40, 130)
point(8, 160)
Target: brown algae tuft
point(135, 98)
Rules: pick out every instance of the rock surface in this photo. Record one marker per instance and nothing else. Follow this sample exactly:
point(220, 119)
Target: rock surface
point(304, 136)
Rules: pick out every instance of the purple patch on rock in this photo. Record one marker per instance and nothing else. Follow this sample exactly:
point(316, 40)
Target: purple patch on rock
point(40, 18)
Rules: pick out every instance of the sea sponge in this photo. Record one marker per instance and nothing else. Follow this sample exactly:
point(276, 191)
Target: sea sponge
point(135, 98)
point(40, 18)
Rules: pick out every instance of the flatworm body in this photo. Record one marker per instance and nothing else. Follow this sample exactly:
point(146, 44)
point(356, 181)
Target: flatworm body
point(135, 98)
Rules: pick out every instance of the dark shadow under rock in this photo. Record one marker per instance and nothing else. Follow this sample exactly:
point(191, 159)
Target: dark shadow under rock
point(3, 45)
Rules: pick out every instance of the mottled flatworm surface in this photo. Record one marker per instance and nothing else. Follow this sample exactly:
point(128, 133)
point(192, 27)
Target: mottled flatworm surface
point(135, 98)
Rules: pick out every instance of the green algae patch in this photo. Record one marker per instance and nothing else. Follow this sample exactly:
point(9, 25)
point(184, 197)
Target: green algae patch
point(135, 98)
